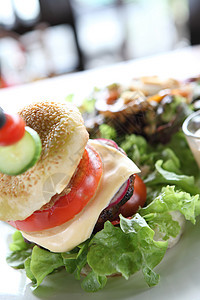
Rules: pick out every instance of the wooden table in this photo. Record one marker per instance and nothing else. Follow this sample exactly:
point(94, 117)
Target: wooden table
point(177, 64)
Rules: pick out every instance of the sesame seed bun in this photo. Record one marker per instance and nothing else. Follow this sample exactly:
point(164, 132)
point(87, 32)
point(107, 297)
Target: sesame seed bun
point(64, 137)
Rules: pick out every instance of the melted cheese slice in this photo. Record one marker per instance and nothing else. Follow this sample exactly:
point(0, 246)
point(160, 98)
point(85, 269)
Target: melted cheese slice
point(116, 170)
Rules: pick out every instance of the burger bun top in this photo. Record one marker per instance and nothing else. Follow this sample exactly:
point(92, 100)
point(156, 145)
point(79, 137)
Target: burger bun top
point(64, 137)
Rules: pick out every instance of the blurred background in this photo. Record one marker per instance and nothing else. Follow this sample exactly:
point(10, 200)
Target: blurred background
point(45, 38)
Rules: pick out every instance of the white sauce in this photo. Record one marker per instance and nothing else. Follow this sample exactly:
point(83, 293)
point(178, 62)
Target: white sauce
point(176, 216)
point(195, 146)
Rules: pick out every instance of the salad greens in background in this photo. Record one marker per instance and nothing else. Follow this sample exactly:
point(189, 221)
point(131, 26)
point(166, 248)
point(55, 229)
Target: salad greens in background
point(172, 179)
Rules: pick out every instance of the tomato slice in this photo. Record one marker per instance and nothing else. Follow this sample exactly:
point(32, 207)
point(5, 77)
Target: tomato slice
point(77, 194)
point(12, 131)
point(137, 200)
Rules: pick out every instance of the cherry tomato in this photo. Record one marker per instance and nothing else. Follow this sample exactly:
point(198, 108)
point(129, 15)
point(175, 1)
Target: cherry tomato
point(12, 131)
point(3, 83)
point(82, 188)
point(137, 200)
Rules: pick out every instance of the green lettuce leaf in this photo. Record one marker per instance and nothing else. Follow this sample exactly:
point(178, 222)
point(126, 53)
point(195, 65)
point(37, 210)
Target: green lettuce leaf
point(170, 200)
point(88, 105)
point(16, 259)
point(171, 162)
point(93, 282)
point(20, 251)
point(179, 146)
point(171, 107)
point(126, 250)
point(29, 273)
point(164, 224)
point(42, 263)
point(18, 242)
point(69, 260)
point(76, 259)
point(81, 259)
point(176, 155)
point(107, 132)
point(69, 98)
point(137, 149)
point(164, 177)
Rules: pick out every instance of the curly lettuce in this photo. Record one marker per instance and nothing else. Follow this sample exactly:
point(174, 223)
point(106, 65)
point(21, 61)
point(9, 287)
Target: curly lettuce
point(126, 249)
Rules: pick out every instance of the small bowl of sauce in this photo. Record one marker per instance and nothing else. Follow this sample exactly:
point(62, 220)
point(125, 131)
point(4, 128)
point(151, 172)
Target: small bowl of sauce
point(191, 129)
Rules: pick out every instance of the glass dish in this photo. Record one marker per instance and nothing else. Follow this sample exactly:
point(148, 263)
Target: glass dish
point(191, 129)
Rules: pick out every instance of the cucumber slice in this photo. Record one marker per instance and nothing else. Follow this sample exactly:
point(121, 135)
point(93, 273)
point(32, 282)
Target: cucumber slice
point(19, 157)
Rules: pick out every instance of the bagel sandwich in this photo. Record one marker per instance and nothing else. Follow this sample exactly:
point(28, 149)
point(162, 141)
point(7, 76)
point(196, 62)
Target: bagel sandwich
point(76, 185)
point(80, 207)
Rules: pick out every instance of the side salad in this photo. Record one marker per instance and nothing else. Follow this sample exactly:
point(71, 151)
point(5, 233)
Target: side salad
point(133, 244)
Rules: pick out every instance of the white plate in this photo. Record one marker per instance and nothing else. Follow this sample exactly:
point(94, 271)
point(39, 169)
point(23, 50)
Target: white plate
point(179, 271)
point(179, 277)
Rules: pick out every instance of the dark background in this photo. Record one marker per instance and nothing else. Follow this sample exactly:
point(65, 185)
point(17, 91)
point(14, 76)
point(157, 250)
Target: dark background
point(45, 38)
